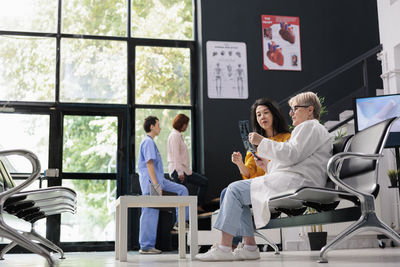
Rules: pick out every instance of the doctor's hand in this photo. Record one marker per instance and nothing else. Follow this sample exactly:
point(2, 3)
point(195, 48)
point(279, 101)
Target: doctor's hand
point(237, 158)
point(255, 138)
point(262, 163)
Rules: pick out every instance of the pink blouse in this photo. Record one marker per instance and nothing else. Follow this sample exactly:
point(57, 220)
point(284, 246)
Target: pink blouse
point(178, 155)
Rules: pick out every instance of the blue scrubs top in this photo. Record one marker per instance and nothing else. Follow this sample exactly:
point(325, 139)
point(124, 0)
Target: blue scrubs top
point(148, 150)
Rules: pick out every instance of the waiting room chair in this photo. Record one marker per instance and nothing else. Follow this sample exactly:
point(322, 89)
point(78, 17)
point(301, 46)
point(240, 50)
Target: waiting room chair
point(353, 173)
point(31, 206)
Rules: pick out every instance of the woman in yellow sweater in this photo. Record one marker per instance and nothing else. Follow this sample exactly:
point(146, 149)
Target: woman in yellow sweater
point(268, 121)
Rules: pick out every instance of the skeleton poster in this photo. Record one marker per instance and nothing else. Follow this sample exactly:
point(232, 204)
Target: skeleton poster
point(227, 70)
point(281, 42)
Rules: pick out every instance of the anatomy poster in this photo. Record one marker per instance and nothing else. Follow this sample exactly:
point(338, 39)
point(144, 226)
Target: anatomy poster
point(227, 70)
point(281, 42)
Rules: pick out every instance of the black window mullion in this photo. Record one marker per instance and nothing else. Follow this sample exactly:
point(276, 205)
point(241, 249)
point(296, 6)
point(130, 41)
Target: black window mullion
point(131, 108)
point(123, 158)
point(193, 102)
point(58, 52)
point(55, 161)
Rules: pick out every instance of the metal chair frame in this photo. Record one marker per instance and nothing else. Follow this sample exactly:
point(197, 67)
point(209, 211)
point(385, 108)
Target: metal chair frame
point(31, 206)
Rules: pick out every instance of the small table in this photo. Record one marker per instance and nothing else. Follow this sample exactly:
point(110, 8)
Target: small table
point(121, 223)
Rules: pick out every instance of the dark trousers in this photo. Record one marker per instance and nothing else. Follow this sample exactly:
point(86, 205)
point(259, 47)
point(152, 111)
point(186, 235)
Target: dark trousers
point(197, 179)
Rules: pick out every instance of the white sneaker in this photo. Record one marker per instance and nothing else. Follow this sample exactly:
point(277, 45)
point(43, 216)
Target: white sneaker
point(241, 254)
point(150, 251)
point(176, 227)
point(215, 254)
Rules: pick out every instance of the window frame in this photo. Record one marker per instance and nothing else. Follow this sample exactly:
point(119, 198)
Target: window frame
point(125, 112)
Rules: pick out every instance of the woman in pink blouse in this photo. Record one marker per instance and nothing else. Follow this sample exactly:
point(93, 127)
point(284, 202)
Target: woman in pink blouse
point(178, 159)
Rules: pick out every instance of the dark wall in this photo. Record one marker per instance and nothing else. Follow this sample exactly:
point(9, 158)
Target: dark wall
point(332, 33)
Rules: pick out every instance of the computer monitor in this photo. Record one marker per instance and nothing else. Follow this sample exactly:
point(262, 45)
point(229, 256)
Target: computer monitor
point(371, 110)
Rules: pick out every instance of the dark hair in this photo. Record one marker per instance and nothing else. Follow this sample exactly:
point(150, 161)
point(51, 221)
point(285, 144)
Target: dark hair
point(279, 121)
point(179, 121)
point(150, 120)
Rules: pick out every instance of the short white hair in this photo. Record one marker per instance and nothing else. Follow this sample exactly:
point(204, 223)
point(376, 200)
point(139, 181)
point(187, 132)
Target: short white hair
point(307, 99)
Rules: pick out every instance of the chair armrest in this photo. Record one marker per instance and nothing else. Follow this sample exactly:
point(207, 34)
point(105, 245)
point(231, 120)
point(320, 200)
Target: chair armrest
point(334, 166)
point(32, 158)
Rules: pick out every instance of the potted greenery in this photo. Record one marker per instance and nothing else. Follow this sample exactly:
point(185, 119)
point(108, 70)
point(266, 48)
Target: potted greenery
point(393, 177)
point(317, 237)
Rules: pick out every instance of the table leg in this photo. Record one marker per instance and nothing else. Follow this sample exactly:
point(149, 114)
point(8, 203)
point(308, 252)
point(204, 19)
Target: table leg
point(123, 232)
point(117, 219)
point(193, 230)
point(181, 232)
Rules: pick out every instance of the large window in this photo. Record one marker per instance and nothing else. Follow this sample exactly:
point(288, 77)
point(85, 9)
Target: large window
point(94, 218)
point(96, 17)
point(162, 75)
point(27, 68)
point(77, 79)
point(90, 144)
point(163, 19)
point(30, 132)
point(28, 15)
point(93, 71)
point(163, 85)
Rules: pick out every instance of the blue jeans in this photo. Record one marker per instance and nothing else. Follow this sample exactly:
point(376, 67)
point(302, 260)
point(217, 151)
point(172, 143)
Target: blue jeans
point(236, 239)
point(234, 216)
point(196, 179)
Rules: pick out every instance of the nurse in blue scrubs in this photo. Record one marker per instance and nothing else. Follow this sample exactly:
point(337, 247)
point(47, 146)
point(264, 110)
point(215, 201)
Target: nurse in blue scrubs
point(151, 170)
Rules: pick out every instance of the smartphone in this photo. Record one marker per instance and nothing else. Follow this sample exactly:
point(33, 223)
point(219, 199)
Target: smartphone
point(244, 129)
point(255, 155)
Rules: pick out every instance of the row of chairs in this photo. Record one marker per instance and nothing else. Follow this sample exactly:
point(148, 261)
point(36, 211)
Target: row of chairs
point(31, 206)
point(353, 173)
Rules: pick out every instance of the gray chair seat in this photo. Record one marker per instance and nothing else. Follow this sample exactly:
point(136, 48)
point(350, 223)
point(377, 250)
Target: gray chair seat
point(304, 195)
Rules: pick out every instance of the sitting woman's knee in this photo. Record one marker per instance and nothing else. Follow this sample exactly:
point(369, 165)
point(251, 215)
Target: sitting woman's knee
point(233, 187)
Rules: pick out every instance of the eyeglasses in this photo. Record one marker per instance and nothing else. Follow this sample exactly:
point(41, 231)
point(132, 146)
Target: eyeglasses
point(295, 108)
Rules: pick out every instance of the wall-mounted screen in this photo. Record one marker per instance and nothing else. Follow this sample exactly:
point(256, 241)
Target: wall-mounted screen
point(371, 110)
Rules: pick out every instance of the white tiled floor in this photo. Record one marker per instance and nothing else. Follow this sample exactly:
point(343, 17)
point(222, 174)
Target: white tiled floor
point(388, 257)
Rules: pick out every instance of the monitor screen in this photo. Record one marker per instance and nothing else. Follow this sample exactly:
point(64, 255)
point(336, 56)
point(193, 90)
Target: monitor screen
point(371, 110)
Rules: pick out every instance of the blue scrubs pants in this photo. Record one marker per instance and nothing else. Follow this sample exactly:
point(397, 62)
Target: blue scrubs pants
point(149, 216)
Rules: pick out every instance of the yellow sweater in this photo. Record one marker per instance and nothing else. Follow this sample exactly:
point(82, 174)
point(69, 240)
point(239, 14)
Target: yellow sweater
point(250, 163)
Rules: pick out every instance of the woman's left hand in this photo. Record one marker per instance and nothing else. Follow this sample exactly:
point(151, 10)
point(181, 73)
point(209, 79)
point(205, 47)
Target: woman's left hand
point(255, 138)
point(181, 177)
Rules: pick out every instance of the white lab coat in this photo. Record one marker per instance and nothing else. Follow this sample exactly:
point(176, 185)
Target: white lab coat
point(301, 161)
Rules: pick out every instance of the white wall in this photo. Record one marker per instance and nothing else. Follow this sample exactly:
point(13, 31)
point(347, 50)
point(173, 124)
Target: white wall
point(389, 33)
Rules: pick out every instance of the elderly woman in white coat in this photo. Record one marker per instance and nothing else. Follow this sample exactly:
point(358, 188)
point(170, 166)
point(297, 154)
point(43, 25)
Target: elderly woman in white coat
point(301, 161)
